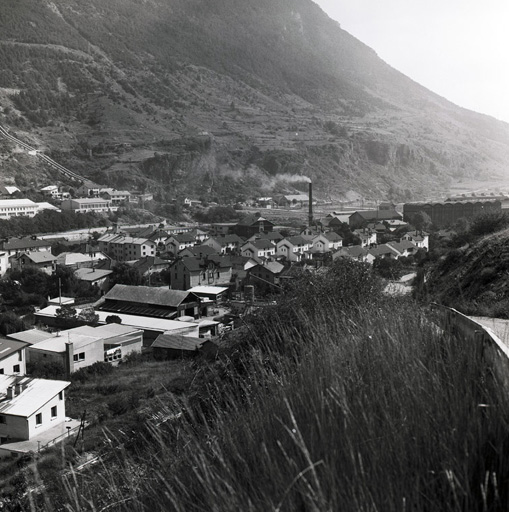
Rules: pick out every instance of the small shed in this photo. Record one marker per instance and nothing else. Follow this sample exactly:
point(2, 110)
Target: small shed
point(172, 346)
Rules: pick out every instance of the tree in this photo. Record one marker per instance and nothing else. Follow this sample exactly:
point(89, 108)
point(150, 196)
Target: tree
point(113, 319)
point(89, 316)
point(10, 322)
point(66, 312)
point(125, 274)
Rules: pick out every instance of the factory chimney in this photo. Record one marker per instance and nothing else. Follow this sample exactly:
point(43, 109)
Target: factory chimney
point(310, 204)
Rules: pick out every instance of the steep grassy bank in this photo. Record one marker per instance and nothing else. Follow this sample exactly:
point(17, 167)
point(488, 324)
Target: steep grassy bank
point(338, 399)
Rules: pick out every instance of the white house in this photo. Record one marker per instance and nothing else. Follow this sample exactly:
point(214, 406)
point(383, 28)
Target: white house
point(176, 243)
point(12, 357)
point(50, 191)
point(325, 242)
point(418, 238)
point(293, 248)
point(258, 250)
point(367, 237)
point(29, 407)
point(224, 244)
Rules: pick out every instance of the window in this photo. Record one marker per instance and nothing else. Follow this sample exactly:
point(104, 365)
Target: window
point(54, 411)
point(38, 418)
point(15, 368)
point(61, 395)
point(1, 371)
point(20, 355)
point(3, 420)
point(78, 357)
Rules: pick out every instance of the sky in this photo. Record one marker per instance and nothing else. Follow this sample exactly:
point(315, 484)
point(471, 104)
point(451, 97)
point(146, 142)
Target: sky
point(456, 48)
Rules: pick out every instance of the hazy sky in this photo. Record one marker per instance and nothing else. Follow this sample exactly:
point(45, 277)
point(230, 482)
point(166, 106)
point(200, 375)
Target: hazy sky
point(457, 48)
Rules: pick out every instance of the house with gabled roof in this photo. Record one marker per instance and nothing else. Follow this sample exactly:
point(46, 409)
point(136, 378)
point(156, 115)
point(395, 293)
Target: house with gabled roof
point(325, 242)
point(198, 251)
point(258, 250)
point(12, 356)
point(199, 235)
point(382, 251)
point(293, 248)
point(44, 261)
point(224, 244)
point(272, 236)
point(404, 248)
point(252, 224)
point(267, 275)
point(158, 302)
point(214, 270)
point(171, 346)
point(88, 189)
point(29, 407)
point(368, 237)
point(418, 238)
point(16, 246)
point(176, 243)
point(354, 252)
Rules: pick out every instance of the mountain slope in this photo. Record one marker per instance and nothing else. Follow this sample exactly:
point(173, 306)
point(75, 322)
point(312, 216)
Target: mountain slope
point(227, 98)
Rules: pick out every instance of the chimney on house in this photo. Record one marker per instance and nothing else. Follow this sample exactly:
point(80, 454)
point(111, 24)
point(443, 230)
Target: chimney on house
point(10, 392)
point(310, 203)
point(17, 389)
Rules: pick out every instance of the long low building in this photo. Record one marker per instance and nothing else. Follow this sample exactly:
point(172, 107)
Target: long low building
point(88, 204)
point(447, 213)
point(151, 327)
point(17, 208)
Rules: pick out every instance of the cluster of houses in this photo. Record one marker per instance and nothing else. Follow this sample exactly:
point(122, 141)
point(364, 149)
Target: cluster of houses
point(203, 264)
point(90, 197)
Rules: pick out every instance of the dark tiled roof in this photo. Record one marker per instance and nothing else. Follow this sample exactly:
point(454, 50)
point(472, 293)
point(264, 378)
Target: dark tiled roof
point(200, 250)
point(147, 295)
point(196, 264)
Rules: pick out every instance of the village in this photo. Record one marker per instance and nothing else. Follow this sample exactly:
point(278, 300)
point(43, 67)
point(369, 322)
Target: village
point(183, 287)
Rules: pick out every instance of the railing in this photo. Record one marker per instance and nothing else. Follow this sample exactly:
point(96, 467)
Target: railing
point(59, 438)
point(494, 350)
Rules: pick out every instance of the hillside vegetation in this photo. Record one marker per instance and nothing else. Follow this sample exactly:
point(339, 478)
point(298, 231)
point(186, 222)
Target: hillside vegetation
point(223, 99)
point(472, 274)
point(337, 399)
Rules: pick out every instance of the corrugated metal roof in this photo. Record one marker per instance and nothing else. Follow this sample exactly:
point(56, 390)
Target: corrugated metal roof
point(33, 397)
point(177, 342)
point(147, 295)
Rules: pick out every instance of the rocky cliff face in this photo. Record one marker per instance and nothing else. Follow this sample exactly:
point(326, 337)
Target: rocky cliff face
point(226, 98)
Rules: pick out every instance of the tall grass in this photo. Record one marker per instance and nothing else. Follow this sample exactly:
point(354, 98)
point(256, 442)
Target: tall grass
point(385, 414)
point(319, 407)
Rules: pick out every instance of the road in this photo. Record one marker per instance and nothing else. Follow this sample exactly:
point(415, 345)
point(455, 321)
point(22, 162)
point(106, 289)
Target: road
point(498, 325)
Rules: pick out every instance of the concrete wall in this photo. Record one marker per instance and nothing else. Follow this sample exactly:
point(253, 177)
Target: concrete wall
point(493, 349)
point(15, 428)
point(93, 352)
point(47, 421)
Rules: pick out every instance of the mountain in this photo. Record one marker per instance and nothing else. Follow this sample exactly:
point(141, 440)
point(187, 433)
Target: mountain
point(224, 99)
